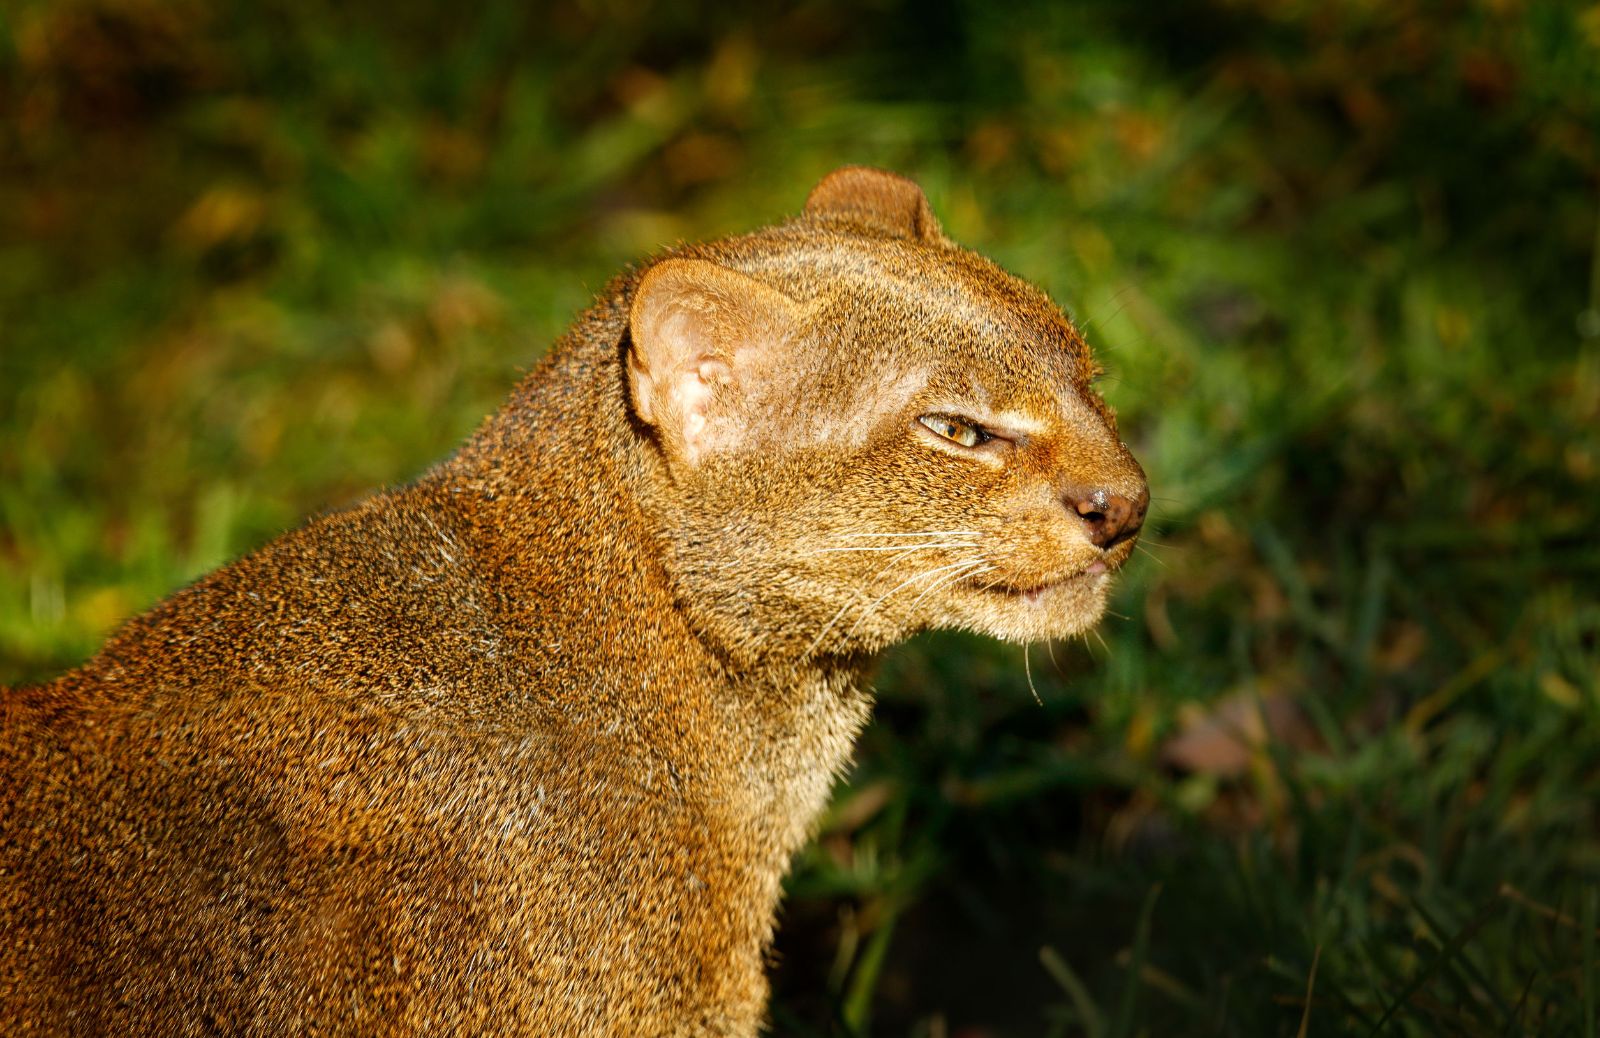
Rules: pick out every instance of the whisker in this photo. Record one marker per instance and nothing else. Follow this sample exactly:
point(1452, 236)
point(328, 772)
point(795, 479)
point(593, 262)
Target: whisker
point(1158, 560)
point(919, 533)
point(815, 642)
point(1102, 641)
point(895, 547)
point(854, 595)
point(992, 584)
point(1027, 668)
point(897, 556)
point(909, 580)
point(829, 625)
point(982, 567)
point(890, 564)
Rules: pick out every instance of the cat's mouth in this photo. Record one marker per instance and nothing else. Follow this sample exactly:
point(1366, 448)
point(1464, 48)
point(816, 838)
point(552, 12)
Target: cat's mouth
point(1032, 593)
point(1044, 603)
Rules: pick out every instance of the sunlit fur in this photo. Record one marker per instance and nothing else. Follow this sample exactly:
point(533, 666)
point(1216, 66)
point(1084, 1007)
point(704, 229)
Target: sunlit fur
point(835, 448)
point(525, 747)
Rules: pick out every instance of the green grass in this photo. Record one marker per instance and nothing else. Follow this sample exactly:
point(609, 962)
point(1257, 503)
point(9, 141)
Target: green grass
point(1338, 261)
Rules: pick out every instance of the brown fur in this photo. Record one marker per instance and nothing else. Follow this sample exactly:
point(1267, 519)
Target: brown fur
point(525, 747)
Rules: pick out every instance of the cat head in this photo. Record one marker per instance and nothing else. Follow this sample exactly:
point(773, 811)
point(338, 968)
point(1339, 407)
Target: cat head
point(863, 430)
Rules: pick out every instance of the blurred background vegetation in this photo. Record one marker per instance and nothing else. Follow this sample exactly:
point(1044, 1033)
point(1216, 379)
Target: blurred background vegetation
point(1334, 766)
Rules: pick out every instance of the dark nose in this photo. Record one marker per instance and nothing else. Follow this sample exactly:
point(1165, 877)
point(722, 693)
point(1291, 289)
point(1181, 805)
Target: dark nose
point(1111, 518)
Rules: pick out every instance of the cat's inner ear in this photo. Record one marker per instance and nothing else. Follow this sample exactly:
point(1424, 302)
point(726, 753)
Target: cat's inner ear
point(702, 338)
point(878, 199)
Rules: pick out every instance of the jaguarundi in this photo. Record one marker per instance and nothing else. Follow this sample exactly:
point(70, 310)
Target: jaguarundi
point(525, 747)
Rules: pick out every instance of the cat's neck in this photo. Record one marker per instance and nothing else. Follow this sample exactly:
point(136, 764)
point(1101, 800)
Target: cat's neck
point(566, 499)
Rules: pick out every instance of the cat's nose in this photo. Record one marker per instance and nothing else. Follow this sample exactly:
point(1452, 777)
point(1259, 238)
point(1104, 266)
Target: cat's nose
point(1111, 518)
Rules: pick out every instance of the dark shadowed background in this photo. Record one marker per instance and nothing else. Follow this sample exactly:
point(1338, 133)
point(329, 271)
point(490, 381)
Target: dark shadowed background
point(1334, 766)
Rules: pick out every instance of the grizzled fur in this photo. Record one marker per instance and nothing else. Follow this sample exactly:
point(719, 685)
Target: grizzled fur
point(525, 747)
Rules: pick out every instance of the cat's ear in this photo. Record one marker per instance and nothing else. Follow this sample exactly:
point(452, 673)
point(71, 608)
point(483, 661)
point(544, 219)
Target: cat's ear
point(702, 335)
point(878, 199)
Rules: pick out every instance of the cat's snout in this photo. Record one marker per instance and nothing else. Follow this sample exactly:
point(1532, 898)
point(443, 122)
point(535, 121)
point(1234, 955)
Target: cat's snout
point(1110, 518)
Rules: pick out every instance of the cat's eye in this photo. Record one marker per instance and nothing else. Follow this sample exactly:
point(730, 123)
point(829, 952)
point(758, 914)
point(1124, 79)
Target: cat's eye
point(955, 430)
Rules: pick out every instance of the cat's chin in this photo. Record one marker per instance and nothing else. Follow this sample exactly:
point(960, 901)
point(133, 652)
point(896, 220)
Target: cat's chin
point(1056, 610)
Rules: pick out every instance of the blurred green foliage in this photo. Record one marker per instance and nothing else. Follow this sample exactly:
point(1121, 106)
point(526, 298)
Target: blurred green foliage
point(1334, 766)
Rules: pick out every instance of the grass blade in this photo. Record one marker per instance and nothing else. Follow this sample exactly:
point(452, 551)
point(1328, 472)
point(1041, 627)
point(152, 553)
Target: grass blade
point(1123, 1027)
point(1588, 982)
point(1447, 952)
point(1311, 985)
point(1094, 1025)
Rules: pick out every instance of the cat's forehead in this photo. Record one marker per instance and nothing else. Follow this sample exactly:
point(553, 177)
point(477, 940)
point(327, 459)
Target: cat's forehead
point(970, 330)
point(940, 309)
point(1003, 344)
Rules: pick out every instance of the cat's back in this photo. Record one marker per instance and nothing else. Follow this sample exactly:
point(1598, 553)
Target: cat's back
point(183, 811)
point(170, 872)
point(336, 766)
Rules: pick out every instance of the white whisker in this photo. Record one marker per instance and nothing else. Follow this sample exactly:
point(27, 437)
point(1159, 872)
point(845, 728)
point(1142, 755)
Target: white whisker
point(919, 533)
point(1159, 561)
point(982, 567)
point(895, 547)
point(815, 642)
point(904, 583)
point(829, 625)
point(992, 584)
point(942, 582)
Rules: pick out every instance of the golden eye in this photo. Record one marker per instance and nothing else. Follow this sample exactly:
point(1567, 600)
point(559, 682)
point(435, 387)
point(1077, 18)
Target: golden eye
point(955, 430)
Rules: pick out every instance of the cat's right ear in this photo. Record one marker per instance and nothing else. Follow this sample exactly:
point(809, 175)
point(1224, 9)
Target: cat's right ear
point(701, 336)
